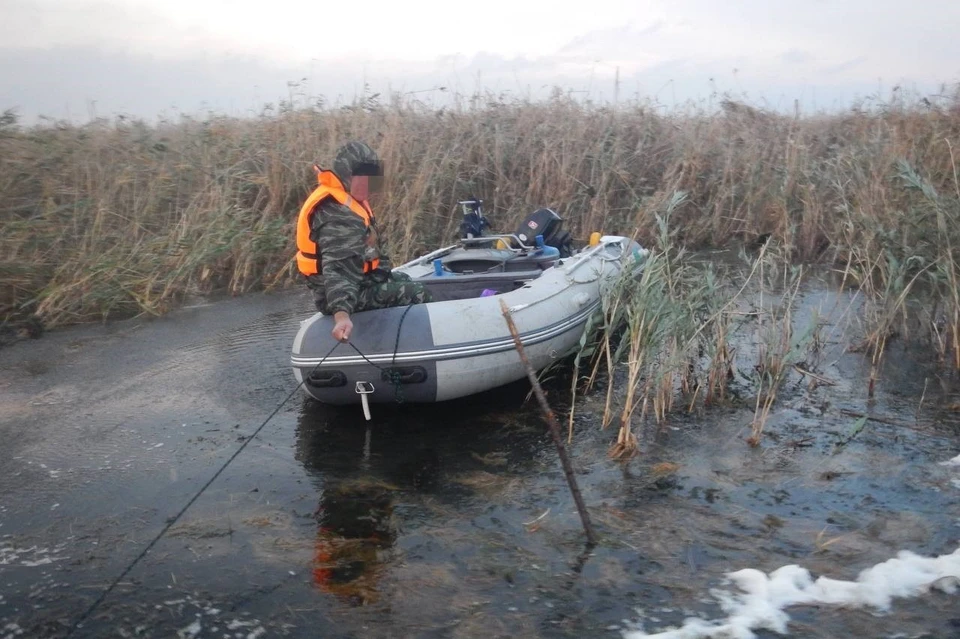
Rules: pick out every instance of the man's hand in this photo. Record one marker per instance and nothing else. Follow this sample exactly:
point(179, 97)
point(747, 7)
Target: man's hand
point(343, 327)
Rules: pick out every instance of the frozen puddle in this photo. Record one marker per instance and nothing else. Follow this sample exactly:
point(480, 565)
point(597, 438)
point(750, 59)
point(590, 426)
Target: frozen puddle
point(762, 598)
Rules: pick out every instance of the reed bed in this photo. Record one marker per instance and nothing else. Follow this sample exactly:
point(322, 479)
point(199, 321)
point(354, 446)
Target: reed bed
point(117, 217)
point(669, 333)
point(666, 337)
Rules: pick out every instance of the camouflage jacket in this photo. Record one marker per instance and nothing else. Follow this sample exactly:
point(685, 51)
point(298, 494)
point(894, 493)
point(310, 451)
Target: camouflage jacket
point(341, 238)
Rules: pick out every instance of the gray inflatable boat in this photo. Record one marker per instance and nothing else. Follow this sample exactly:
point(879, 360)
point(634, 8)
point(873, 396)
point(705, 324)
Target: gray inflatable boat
point(459, 344)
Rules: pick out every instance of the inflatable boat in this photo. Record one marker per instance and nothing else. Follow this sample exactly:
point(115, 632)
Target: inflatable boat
point(459, 344)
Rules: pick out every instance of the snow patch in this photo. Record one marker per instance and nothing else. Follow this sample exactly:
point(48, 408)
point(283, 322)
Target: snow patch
point(13, 629)
point(190, 631)
point(236, 624)
point(29, 557)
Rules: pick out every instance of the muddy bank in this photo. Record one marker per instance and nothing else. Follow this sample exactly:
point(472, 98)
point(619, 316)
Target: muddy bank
point(444, 521)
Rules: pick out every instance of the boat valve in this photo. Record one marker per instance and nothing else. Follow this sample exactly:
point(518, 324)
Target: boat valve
point(363, 389)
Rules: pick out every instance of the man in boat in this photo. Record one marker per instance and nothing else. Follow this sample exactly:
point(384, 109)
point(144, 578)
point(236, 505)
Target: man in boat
point(338, 245)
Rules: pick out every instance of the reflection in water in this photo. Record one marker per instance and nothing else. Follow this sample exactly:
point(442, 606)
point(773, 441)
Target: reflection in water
point(361, 469)
point(355, 527)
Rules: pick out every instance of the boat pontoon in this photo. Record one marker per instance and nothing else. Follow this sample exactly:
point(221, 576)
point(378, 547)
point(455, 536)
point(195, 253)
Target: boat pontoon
point(459, 344)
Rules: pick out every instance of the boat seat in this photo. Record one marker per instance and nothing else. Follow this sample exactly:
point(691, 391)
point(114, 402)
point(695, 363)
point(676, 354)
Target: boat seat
point(461, 287)
point(492, 260)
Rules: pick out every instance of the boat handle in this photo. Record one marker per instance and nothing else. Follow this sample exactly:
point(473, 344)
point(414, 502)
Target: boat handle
point(363, 389)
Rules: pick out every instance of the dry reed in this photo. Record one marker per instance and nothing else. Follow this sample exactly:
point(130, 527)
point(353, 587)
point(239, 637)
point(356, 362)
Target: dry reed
point(120, 217)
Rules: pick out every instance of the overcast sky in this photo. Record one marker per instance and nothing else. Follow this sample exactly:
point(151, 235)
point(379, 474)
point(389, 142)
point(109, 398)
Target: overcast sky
point(74, 58)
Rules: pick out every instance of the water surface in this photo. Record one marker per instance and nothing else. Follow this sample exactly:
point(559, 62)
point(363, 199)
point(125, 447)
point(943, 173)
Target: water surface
point(439, 521)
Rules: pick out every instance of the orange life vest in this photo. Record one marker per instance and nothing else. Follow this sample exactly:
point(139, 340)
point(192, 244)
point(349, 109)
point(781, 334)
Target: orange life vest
point(308, 254)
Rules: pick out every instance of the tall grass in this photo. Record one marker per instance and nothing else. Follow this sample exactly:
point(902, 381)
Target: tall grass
point(677, 327)
point(941, 265)
point(675, 323)
point(778, 347)
point(120, 216)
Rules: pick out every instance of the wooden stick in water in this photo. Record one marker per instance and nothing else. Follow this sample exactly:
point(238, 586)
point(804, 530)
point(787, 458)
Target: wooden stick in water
point(551, 420)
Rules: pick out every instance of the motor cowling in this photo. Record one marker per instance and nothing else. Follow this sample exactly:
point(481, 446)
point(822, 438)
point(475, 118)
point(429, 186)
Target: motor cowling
point(547, 223)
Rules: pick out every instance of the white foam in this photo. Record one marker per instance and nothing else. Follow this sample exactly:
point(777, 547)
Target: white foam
point(952, 462)
point(762, 598)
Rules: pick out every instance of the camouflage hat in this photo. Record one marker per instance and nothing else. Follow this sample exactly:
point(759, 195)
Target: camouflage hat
point(355, 158)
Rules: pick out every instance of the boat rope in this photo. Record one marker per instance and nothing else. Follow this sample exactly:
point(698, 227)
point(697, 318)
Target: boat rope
point(170, 522)
point(391, 373)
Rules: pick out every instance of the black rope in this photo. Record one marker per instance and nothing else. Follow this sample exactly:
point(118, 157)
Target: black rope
point(176, 517)
point(392, 373)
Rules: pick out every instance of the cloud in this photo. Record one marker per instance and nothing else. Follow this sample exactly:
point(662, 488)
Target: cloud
point(846, 65)
point(43, 24)
point(796, 56)
point(77, 82)
point(144, 57)
point(603, 37)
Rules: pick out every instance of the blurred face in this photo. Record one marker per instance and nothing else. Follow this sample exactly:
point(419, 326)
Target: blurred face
point(363, 186)
point(360, 187)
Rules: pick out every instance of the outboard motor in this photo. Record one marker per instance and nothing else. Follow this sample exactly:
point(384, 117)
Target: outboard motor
point(547, 223)
point(473, 224)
